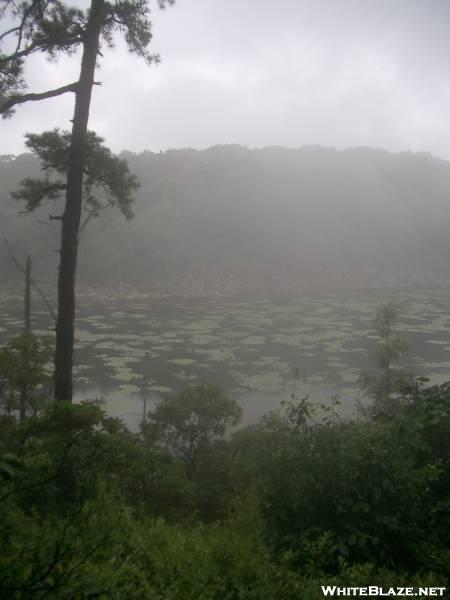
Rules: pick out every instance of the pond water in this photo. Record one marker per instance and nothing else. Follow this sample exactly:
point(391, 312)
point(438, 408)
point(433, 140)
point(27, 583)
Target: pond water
point(128, 350)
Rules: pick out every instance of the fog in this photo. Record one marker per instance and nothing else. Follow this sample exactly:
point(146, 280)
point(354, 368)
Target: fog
point(233, 221)
point(224, 299)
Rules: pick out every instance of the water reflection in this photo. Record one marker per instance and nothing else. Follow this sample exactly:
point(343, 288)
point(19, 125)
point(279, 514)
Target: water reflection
point(255, 404)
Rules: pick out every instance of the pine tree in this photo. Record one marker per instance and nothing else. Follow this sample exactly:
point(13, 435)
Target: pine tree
point(52, 27)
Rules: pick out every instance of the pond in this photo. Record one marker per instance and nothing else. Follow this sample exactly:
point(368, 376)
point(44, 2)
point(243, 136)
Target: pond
point(256, 350)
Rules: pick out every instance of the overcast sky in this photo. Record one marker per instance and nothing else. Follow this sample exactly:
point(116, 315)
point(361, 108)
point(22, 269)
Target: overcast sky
point(257, 72)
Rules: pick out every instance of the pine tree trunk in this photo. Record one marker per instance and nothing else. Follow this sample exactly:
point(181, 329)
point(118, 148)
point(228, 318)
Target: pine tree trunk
point(22, 404)
point(27, 297)
point(65, 323)
point(27, 329)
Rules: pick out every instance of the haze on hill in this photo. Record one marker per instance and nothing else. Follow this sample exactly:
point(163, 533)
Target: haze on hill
point(244, 391)
point(229, 220)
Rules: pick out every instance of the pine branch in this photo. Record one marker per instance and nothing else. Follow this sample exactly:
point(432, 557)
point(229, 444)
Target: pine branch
point(20, 99)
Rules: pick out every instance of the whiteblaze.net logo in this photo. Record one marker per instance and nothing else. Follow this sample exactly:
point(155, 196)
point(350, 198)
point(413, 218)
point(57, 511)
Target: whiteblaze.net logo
point(374, 590)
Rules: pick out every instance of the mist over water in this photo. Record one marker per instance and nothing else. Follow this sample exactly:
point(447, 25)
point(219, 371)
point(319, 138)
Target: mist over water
point(224, 299)
point(242, 267)
point(259, 351)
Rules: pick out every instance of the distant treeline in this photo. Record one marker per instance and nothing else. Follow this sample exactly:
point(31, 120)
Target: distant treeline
point(229, 220)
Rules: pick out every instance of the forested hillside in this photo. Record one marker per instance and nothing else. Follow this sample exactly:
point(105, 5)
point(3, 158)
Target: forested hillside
point(228, 220)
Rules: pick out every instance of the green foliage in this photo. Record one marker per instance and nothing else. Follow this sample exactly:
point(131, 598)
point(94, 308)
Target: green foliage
point(218, 561)
point(299, 500)
point(359, 492)
point(56, 512)
point(50, 555)
point(186, 423)
point(386, 317)
point(387, 387)
point(24, 372)
point(10, 466)
point(104, 173)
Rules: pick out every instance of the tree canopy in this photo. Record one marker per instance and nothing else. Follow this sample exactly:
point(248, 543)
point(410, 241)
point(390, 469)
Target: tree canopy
point(53, 28)
point(188, 421)
point(107, 180)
